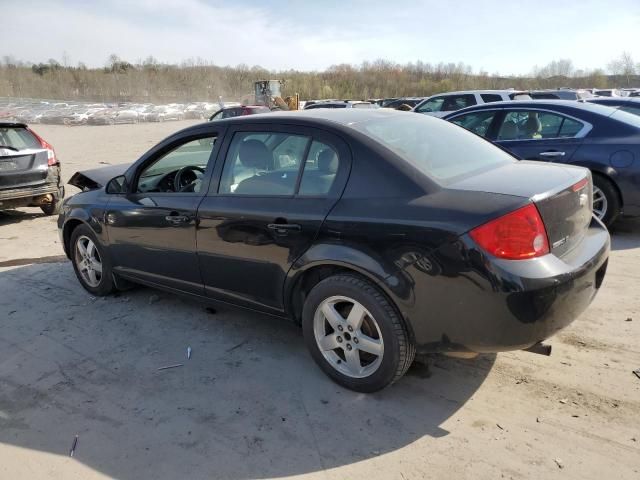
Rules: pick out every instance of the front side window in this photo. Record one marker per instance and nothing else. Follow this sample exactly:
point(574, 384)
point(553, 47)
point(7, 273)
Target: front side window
point(477, 122)
point(432, 105)
point(263, 163)
point(180, 170)
point(535, 125)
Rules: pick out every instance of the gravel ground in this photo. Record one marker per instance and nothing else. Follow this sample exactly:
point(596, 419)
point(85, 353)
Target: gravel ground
point(251, 404)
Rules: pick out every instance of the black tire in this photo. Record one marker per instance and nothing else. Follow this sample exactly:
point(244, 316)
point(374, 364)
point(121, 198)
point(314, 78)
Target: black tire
point(399, 350)
point(106, 285)
point(54, 207)
point(612, 210)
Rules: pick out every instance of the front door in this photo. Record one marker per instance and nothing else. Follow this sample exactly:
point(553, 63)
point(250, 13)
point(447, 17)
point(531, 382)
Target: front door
point(152, 229)
point(275, 189)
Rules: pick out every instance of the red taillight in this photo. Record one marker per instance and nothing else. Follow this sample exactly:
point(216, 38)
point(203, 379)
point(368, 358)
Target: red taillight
point(51, 153)
point(514, 236)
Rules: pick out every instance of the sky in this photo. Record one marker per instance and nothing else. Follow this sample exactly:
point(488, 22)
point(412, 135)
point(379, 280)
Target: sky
point(506, 37)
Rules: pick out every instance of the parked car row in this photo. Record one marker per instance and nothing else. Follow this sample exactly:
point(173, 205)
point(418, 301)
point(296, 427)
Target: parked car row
point(62, 113)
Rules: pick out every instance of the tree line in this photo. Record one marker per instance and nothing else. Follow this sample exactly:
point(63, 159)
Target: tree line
point(149, 80)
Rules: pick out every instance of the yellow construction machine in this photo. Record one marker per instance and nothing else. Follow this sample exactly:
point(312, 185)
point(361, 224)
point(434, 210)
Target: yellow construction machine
point(268, 93)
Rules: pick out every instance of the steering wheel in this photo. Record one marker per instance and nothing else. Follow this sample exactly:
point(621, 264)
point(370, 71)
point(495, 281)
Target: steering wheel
point(179, 184)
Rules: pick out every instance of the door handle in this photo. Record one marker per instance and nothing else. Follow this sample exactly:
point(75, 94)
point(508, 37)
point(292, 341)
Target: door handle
point(552, 154)
point(284, 228)
point(177, 219)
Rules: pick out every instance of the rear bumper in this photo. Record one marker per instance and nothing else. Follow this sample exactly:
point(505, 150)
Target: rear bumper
point(34, 195)
point(465, 301)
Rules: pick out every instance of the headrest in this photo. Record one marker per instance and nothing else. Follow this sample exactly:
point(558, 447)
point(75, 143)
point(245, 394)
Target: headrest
point(532, 125)
point(254, 154)
point(327, 161)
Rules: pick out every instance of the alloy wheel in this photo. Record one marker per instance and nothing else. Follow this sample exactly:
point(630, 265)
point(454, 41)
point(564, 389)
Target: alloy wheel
point(348, 336)
point(88, 261)
point(600, 203)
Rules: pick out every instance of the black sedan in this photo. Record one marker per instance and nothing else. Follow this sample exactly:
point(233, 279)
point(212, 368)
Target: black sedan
point(382, 233)
point(602, 139)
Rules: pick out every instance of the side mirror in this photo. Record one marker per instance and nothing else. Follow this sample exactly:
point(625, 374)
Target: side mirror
point(117, 185)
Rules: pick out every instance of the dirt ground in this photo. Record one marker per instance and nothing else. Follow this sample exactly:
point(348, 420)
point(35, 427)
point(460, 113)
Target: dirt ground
point(251, 403)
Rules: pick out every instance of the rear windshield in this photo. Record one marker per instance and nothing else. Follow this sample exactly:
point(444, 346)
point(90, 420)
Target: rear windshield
point(626, 117)
point(437, 148)
point(17, 137)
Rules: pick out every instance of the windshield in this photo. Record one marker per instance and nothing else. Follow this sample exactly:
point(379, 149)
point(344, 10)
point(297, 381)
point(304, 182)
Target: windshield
point(626, 117)
point(440, 150)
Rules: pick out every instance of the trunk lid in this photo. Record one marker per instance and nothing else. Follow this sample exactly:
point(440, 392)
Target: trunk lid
point(562, 194)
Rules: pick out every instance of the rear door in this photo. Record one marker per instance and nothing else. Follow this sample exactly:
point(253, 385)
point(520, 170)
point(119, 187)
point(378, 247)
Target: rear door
point(534, 134)
point(23, 161)
point(275, 188)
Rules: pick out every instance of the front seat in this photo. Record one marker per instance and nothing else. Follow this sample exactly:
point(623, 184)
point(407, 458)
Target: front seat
point(254, 155)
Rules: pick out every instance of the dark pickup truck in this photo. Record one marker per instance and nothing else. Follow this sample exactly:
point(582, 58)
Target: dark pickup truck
point(29, 170)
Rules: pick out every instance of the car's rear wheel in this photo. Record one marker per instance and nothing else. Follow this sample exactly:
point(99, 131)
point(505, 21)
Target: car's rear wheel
point(355, 335)
point(91, 262)
point(606, 203)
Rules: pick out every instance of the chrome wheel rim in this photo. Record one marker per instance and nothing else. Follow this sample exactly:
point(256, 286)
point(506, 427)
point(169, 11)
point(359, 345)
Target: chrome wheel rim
point(599, 203)
point(348, 336)
point(88, 261)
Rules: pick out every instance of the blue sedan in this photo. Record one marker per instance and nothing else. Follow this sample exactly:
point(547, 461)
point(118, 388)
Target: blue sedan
point(603, 139)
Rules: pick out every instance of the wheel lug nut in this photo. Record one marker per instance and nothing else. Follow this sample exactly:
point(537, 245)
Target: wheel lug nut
point(355, 340)
point(340, 327)
point(349, 347)
point(350, 328)
point(339, 339)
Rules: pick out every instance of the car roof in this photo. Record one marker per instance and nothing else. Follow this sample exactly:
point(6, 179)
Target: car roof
point(318, 116)
point(462, 92)
point(613, 100)
point(539, 104)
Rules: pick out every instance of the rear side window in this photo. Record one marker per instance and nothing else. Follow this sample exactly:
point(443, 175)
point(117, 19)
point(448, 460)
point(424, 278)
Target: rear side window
point(490, 97)
point(426, 143)
point(263, 164)
point(457, 102)
point(476, 122)
point(19, 138)
point(320, 169)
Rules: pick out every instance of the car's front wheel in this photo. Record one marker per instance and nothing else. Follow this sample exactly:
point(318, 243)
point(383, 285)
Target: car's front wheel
point(355, 335)
point(91, 262)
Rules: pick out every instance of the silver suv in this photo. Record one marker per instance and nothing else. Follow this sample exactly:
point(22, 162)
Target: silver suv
point(444, 103)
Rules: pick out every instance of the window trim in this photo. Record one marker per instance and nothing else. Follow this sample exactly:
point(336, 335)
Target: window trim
point(586, 126)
